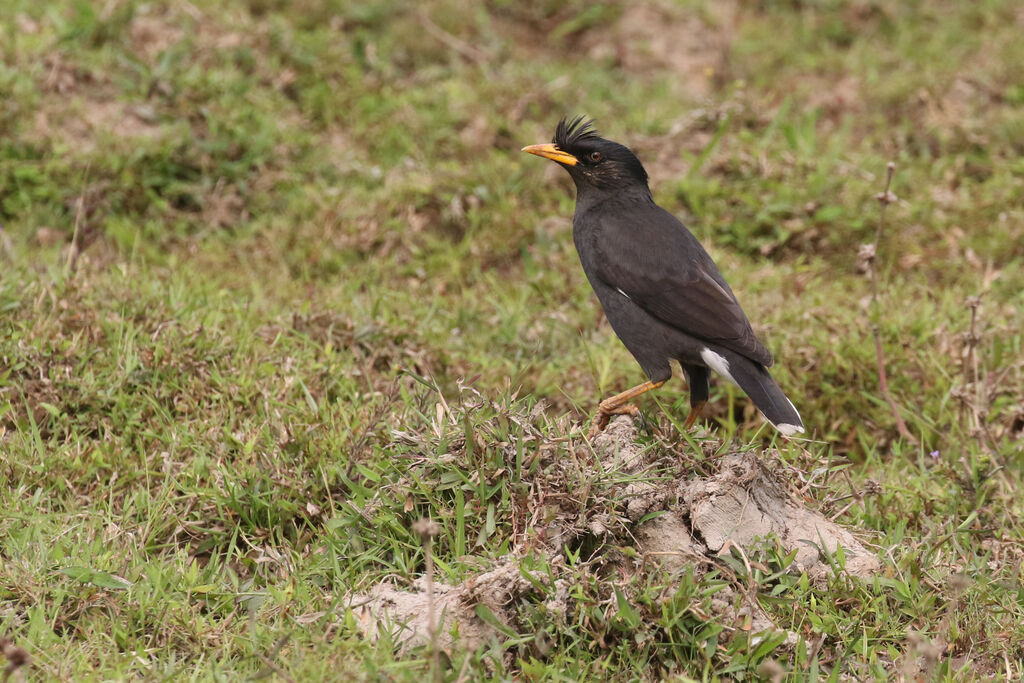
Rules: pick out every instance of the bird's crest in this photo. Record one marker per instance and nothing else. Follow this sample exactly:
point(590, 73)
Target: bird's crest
point(574, 130)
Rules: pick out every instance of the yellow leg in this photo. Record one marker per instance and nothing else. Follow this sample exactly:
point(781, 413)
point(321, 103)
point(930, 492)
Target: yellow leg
point(694, 414)
point(619, 405)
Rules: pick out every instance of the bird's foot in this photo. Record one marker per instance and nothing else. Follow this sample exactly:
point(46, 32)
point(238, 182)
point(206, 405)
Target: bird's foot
point(605, 413)
point(695, 412)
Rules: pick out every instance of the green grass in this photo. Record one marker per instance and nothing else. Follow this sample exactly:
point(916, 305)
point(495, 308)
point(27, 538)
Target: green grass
point(304, 226)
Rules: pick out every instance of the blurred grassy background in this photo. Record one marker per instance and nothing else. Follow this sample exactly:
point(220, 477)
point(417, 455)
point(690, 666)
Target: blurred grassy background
point(235, 233)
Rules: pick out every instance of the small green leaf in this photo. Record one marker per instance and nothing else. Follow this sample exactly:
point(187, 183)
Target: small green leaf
point(370, 474)
point(78, 573)
point(770, 642)
point(626, 611)
point(310, 401)
point(484, 613)
point(97, 578)
point(111, 581)
point(51, 409)
point(490, 525)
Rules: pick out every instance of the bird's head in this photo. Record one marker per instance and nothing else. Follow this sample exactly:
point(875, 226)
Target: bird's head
point(591, 160)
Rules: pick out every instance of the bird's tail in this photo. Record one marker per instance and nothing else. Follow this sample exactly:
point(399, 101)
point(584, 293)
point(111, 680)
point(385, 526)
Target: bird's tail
point(753, 378)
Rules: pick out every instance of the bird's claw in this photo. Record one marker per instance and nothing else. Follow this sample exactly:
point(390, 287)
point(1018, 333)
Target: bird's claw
point(604, 414)
point(598, 425)
point(695, 411)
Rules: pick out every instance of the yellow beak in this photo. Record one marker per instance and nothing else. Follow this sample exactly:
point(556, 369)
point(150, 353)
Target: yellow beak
point(551, 151)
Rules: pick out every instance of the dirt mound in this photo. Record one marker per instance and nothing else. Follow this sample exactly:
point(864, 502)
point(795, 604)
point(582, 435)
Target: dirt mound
point(405, 614)
point(643, 504)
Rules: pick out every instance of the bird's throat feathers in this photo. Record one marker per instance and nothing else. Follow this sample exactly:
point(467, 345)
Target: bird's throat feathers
point(591, 193)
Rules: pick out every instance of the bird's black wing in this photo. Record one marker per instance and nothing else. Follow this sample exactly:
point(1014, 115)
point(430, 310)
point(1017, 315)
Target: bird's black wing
point(650, 256)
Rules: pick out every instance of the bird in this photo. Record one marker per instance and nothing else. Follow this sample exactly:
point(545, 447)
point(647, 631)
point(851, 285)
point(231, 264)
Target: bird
point(660, 290)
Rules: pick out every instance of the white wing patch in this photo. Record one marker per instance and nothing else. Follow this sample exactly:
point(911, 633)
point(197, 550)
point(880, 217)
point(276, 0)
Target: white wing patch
point(718, 363)
point(623, 293)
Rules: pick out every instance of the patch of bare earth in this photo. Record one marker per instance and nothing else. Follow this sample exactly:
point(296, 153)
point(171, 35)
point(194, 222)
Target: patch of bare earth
point(159, 27)
point(664, 37)
point(153, 32)
point(78, 108)
point(635, 497)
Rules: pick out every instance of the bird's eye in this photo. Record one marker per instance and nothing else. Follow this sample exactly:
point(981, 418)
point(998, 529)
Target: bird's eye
point(595, 156)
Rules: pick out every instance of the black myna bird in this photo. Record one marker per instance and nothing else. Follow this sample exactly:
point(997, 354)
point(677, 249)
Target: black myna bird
point(661, 292)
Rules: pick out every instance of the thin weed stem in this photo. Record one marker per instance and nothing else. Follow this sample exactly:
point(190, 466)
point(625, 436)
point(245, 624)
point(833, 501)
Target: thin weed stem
point(870, 256)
